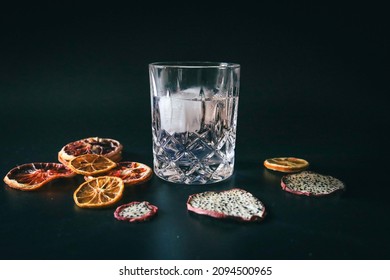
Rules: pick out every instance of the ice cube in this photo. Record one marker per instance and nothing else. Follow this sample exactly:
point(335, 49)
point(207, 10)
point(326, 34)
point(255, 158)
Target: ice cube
point(215, 108)
point(180, 115)
point(186, 110)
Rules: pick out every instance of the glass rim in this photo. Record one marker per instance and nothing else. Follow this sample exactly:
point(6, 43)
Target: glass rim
point(194, 64)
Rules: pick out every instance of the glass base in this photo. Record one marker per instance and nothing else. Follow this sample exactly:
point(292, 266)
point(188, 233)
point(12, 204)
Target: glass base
point(194, 176)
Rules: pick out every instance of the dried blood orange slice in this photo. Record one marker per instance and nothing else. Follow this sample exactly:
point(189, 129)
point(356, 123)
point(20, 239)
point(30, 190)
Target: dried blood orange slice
point(91, 164)
point(99, 192)
point(131, 172)
point(286, 164)
point(135, 211)
point(109, 148)
point(31, 176)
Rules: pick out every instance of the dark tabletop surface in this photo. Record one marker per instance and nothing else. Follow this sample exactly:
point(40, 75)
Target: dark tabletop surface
point(312, 86)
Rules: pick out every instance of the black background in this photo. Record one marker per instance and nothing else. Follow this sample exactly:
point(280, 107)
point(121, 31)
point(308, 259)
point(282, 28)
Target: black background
point(314, 79)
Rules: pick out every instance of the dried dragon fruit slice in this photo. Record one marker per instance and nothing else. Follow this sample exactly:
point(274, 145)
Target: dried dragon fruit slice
point(235, 204)
point(109, 148)
point(135, 211)
point(311, 184)
point(31, 176)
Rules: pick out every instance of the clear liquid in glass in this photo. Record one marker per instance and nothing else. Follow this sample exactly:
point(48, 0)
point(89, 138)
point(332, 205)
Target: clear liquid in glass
point(194, 137)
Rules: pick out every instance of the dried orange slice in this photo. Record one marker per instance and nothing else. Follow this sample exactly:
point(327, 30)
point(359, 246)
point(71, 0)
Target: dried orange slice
point(286, 164)
point(99, 192)
point(91, 164)
point(109, 148)
point(131, 172)
point(31, 176)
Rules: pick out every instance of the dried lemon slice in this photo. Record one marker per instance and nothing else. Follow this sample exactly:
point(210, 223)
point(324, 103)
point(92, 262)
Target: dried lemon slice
point(99, 192)
point(91, 164)
point(286, 164)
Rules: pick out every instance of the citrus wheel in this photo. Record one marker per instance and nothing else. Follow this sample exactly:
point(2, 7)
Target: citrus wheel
point(31, 176)
point(131, 172)
point(99, 192)
point(91, 164)
point(109, 148)
point(286, 164)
